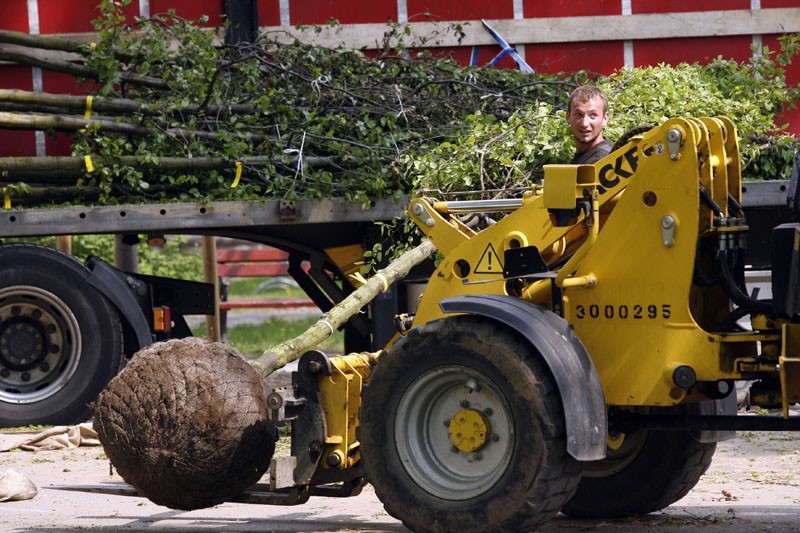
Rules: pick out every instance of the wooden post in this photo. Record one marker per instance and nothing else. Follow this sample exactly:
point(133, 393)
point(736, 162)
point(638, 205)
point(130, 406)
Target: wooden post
point(126, 256)
point(210, 273)
point(64, 243)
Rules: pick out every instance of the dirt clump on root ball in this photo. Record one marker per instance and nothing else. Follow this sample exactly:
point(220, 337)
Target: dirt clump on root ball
point(186, 423)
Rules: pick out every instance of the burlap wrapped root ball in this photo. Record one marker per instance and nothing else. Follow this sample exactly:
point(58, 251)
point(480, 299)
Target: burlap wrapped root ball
point(186, 423)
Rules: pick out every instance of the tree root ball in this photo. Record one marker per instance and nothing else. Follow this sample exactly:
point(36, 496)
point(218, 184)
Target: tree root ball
point(186, 423)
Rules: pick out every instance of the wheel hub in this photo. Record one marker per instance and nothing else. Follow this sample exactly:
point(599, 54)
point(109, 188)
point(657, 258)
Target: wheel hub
point(23, 344)
point(40, 344)
point(469, 430)
point(472, 450)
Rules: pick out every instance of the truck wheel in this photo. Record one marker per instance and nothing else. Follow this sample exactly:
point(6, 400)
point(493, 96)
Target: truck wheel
point(648, 471)
point(462, 429)
point(60, 339)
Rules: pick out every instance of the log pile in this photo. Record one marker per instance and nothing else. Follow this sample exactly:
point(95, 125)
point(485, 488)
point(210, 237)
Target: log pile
point(197, 120)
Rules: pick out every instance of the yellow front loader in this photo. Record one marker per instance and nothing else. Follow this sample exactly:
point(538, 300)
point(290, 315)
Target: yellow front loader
point(579, 355)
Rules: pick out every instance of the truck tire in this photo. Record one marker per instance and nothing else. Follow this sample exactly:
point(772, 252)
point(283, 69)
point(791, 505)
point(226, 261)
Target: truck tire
point(649, 471)
point(60, 339)
point(462, 429)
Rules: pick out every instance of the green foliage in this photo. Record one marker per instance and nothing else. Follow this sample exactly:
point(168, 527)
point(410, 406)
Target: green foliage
point(328, 122)
point(339, 123)
point(498, 157)
point(749, 93)
point(252, 339)
point(178, 258)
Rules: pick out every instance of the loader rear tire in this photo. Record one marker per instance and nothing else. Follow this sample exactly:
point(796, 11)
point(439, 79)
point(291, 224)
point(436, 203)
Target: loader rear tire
point(650, 471)
point(517, 477)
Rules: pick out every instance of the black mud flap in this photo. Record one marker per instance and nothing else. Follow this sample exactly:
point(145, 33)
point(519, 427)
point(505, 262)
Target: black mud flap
point(573, 369)
point(722, 407)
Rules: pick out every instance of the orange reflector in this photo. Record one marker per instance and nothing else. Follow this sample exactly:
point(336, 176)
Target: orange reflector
point(156, 240)
point(162, 319)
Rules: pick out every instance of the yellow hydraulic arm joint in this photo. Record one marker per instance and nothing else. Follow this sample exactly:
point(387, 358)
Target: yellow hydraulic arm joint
point(589, 280)
point(340, 399)
point(789, 366)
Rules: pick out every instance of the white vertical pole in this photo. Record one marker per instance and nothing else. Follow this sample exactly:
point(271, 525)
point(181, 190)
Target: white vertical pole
point(758, 45)
point(283, 6)
point(519, 15)
point(144, 8)
point(36, 72)
point(402, 11)
point(627, 46)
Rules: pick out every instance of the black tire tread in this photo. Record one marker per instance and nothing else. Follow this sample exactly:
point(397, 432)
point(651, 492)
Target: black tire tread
point(547, 493)
point(628, 494)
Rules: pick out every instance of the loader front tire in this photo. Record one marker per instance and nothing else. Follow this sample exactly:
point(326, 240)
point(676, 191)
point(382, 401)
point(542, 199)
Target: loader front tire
point(462, 429)
point(648, 472)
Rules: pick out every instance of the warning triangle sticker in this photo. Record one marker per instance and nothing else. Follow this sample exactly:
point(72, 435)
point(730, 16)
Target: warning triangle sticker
point(489, 262)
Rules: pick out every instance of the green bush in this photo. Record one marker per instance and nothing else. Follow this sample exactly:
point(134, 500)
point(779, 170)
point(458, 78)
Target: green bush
point(507, 154)
point(178, 258)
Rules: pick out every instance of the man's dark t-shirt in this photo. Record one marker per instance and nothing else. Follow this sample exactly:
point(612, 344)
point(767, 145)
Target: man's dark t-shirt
point(593, 154)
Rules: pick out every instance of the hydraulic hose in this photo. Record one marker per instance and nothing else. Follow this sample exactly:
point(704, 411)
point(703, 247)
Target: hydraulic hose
point(735, 292)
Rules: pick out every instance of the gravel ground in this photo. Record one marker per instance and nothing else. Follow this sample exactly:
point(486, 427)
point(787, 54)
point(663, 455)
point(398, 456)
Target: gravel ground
point(753, 485)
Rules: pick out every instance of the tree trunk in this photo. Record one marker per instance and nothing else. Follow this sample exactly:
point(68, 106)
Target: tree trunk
point(27, 121)
point(278, 356)
point(18, 100)
point(62, 169)
point(18, 55)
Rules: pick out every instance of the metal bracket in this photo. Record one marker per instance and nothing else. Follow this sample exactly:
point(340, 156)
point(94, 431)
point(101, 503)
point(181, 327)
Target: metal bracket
point(287, 210)
point(419, 211)
point(668, 230)
point(674, 139)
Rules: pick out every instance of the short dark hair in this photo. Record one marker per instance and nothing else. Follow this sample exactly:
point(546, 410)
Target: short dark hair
point(584, 93)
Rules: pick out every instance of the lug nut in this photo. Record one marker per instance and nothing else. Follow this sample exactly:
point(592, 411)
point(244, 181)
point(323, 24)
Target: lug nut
point(453, 449)
point(477, 456)
point(25, 376)
point(488, 411)
point(464, 404)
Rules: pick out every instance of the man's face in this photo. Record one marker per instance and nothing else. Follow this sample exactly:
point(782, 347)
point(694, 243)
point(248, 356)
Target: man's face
point(586, 120)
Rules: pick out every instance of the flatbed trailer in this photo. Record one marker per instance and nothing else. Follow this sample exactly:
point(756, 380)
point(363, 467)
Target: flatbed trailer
point(67, 327)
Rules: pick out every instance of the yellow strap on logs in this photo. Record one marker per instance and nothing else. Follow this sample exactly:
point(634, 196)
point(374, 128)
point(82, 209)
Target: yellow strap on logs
point(238, 175)
point(88, 113)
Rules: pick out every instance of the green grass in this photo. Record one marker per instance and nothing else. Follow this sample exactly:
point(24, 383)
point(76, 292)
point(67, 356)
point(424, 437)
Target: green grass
point(275, 287)
point(252, 339)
